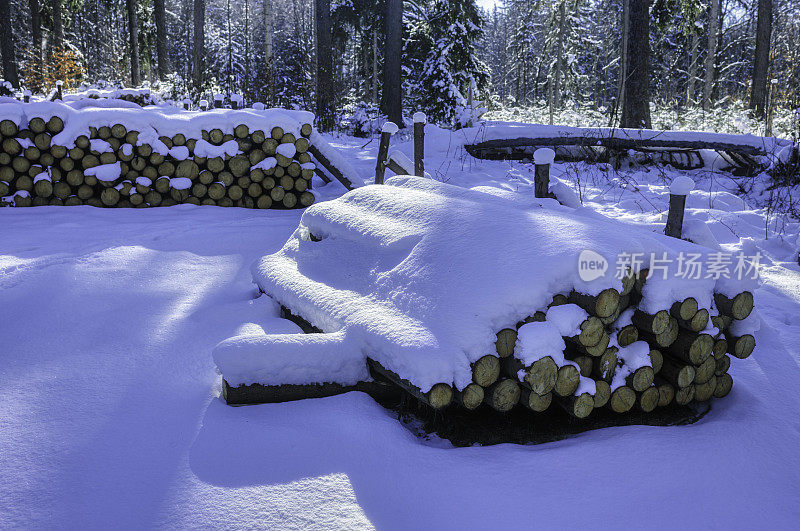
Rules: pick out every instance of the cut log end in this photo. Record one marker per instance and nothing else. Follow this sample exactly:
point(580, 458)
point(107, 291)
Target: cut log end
point(535, 402)
point(567, 380)
point(648, 399)
point(506, 341)
point(602, 393)
point(642, 378)
point(622, 399)
point(440, 395)
point(724, 385)
point(486, 370)
point(502, 396)
point(542, 375)
point(471, 396)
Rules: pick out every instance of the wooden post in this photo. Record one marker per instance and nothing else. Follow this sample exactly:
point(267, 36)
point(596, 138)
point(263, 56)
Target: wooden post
point(678, 190)
point(542, 159)
point(419, 143)
point(203, 105)
point(218, 101)
point(389, 128)
point(59, 94)
point(26, 96)
point(187, 103)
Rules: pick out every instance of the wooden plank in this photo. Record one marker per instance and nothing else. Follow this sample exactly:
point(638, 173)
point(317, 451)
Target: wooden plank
point(333, 170)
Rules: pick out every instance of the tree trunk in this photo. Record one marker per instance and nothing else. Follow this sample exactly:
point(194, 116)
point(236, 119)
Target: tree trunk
point(58, 26)
point(708, 88)
point(375, 64)
point(556, 100)
point(133, 34)
point(159, 14)
point(7, 45)
point(391, 97)
point(268, 66)
point(623, 56)
point(36, 28)
point(758, 91)
point(324, 65)
point(692, 67)
point(198, 49)
point(636, 105)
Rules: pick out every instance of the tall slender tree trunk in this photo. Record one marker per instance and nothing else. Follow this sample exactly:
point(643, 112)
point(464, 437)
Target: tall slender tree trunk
point(324, 65)
point(695, 43)
point(708, 86)
point(199, 44)
point(375, 64)
point(268, 66)
point(758, 91)
point(7, 45)
point(159, 13)
point(229, 45)
point(623, 56)
point(58, 25)
point(556, 101)
point(636, 104)
point(133, 34)
point(246, 74)
point(392, 96)
point(36, 28)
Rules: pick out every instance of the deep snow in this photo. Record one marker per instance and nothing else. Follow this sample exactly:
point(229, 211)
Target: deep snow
point(110, 411)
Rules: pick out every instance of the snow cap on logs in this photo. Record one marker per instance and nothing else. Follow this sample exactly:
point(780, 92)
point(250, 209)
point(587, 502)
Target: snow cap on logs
point(389, 127)
point(681, 185)
point(544, 156)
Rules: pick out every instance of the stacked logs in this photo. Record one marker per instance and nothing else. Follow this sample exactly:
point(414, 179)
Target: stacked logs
point(269, 169)
point(687, 363)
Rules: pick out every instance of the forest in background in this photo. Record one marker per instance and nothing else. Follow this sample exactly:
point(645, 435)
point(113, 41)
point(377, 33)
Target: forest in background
point(363, 59)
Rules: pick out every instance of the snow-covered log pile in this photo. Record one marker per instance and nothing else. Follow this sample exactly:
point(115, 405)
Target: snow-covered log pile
point(471, 297)
point(113, 153)
point(682, 149)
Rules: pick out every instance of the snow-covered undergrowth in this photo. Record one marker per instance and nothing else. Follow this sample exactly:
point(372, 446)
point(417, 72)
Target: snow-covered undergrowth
point(734, 119)
point(109, 399)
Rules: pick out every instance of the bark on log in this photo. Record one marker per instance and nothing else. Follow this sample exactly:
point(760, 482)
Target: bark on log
point(655, 324)
point(579, 407)
point(677, 373)
point(602, 305)
point(264, 394)
point(741, 347)
point(330, 168)
point(738, 307)
point(439, 396)
point(692, 348)
point(684, 395)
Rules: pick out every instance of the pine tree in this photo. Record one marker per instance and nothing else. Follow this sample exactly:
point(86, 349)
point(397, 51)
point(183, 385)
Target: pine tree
point(452, 67)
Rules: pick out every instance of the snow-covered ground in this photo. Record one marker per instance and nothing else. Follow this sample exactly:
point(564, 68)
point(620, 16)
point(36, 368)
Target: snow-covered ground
point(110, 411)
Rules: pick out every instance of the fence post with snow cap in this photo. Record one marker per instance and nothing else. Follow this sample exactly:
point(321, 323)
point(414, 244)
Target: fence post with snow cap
point(388, 129)
point(203, 105)
point(419, 143)
point(678, 190)
point(218, 100)
point(542, 159)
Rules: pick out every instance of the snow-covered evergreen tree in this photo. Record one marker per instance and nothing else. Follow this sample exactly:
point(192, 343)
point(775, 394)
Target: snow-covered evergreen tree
point(452, 67)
